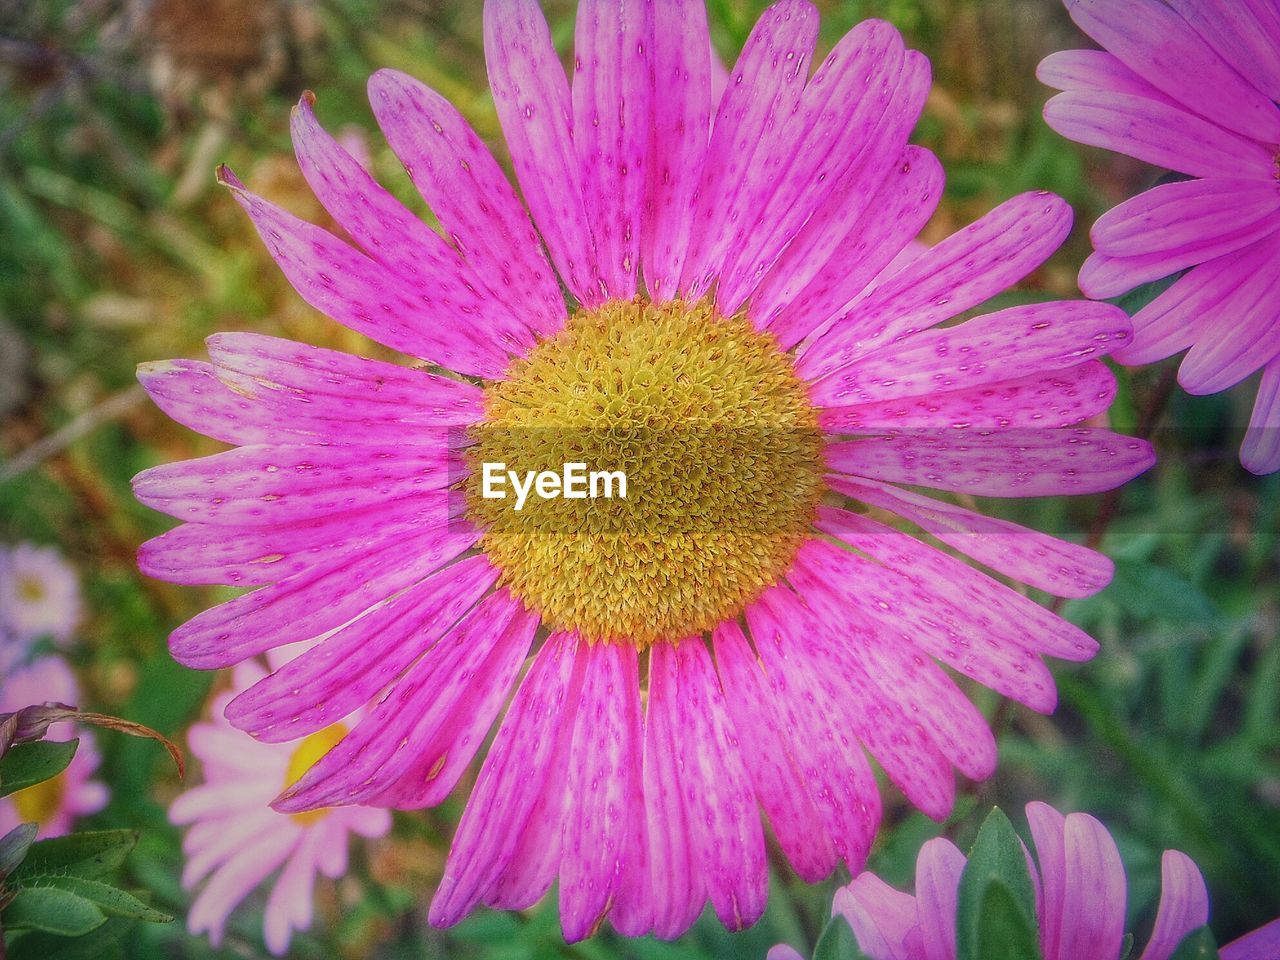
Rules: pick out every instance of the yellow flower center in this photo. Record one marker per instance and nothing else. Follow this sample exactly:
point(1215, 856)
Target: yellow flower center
point(721, 451)
point(31, 589)
point(306, 756)
point(40, 802)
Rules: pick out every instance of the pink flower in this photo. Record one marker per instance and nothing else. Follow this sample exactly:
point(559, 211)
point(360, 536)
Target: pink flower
point(39, 596)
point(749, 330)
point(1080, 889)
point(54, 804)
point(234, 839)
point(1189, 85)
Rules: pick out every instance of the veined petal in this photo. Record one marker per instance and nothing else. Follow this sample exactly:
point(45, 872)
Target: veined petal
point(392, 235)
point(612, 87)
point(1260, 453)
point(466, 189)
point(346, 669)
point(1016, 342)
point(1048, 827)
point(1184, 905)
point(1048, 400)
point(747, 149)
point(343, 283)
point(1093, 906)
point(531, 94)
point(1096, 70)
point(938, 870)
point(682, 103)
point(881, 917)
point(1159, 45)
point(1249, 35)
point(964, 270)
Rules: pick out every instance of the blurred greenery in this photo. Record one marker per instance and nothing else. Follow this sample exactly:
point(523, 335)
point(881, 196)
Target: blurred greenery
point(118, 248)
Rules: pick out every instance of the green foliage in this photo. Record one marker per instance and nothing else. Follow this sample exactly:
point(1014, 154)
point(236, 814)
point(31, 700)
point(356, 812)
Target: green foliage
point(26, 764)
point(838, 942)
point(1197, 945)
point(996, 907)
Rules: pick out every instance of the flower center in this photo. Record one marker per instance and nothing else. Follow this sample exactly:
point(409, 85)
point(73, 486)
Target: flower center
point(722, 456)
point(40, 802)
point(306, 756)
point(31, 589)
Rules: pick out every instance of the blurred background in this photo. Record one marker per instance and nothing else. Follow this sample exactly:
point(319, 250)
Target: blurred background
point(117, 247)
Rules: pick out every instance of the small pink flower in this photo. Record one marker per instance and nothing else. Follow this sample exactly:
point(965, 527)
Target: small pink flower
point(743, 261)
point(1190, 86)
point(234, 839)
point(39, 597)
point(54, 804)
point(1081, 893)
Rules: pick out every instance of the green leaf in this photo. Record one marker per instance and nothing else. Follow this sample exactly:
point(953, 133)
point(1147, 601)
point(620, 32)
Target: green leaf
point(51, 910)
point(838, 942)
point(112, 901)
point(14, 847)
point(1004, 931)
point(105, 943)
point(1197, 945)
point(27, 764)
point(996, 861)
point(89, 855)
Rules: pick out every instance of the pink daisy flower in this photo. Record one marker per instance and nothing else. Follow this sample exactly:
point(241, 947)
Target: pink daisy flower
point(1191, 86)
point(751, 334)
point(234, 840)
point(39, 594)
point(1081, 894)
point(54, 804)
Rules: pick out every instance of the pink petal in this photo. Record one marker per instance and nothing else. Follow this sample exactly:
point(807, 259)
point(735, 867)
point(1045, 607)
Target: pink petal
point(289, 907)
point(1175, 215)
point(409, 734)
point(969, 267)
point(247, 556)
point(725, 837)
point(316, 601)
point(515, 773)
point(995, 463)
point(748, 148)
point(881, 916)
point(1261, 944)
point(1159, 45)
point(360, 294)
point(392, 235)
point(235, 880)
point(774, 761)
point(1260, 453)
point(1184, 905)
point(1047, 829)
point(1036, 559)
point(799, 295)
point(840, 108)
point(1240, 38)
point(1096, 70)
point(606, 756)
point(1150, 130)
point(938, 870)
point(1017, 342)
point(1093, 906)
point(1044, 400)
point(896, 739)
point(346, 669)
point(682, 61)
point(612, 87)
point(297, 381)
point(466, 189)
point(531, 94)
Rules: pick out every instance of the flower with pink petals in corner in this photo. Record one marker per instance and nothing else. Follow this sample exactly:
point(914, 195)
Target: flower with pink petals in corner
point(39, 594)
point(54, 804)
point(1080, 890)
point(749, 331)
point(1190, 86)
point(234, 840)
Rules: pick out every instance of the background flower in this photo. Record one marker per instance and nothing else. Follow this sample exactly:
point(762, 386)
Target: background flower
point(1190, 86)
point(39, 594)
point(57, 803)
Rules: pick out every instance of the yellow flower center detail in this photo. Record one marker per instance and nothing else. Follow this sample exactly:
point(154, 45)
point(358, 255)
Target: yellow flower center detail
point(721, 451)
point(31, 589)
point(40, 802)
point(307, 755)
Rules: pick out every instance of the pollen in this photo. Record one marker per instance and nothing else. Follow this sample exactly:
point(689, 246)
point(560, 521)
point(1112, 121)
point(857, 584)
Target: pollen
point(40, 802)
point(722, 455)
point(305, 756)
